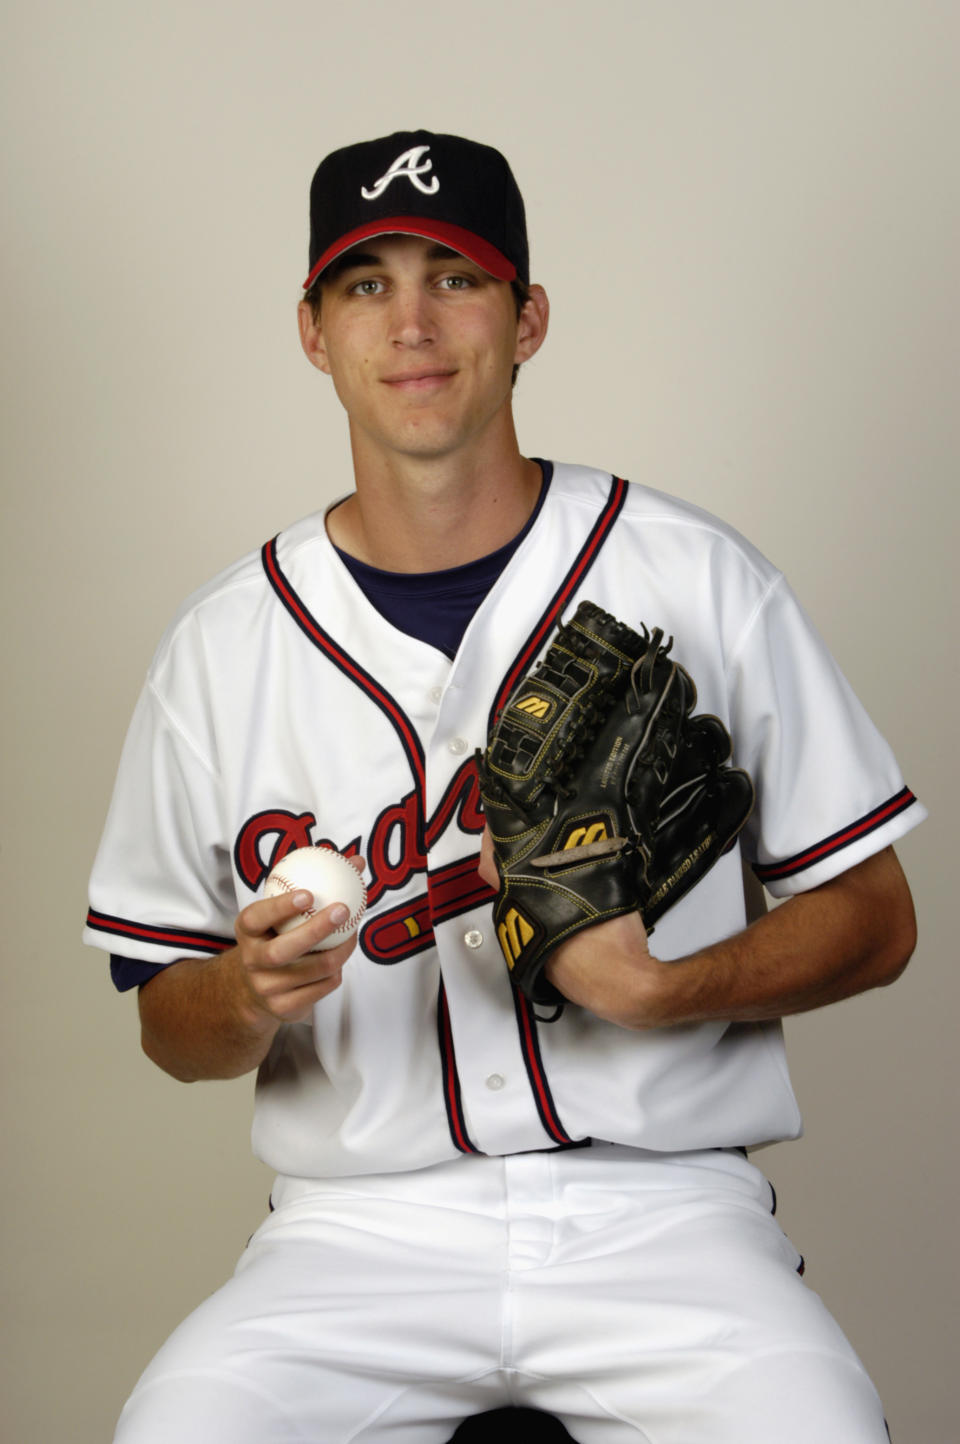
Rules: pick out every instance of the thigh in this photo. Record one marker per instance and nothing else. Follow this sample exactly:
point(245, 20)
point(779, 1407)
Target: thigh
point(670, 1310)
point(350, 1317)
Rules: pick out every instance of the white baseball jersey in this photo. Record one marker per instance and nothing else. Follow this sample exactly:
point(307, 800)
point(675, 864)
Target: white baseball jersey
point(282, 710)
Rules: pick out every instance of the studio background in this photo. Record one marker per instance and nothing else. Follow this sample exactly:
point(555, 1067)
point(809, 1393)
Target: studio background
point(746, 215)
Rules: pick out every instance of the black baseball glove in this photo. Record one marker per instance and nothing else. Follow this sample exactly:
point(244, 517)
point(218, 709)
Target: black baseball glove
point(602, 793)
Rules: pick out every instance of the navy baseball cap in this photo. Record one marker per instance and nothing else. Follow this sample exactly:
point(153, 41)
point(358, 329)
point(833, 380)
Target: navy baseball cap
point(415, 183)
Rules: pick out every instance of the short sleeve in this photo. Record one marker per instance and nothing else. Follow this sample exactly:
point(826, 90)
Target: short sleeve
point(161, 887)
point(829, 790)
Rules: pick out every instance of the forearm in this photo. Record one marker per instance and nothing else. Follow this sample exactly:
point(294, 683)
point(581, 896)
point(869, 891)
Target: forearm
point(197, 1020)
point(816, 948)
point(853, 933)
point(217, 1017)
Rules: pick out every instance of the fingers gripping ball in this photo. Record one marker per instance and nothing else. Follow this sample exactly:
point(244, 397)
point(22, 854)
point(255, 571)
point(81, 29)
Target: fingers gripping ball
point(330, 878)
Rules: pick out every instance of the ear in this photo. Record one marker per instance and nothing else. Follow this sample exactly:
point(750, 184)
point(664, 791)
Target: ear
point(532, 325)
point(311, 338)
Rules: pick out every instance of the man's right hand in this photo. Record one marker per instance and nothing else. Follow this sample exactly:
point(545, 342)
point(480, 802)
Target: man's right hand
point(217, 1017)
point(283, 976)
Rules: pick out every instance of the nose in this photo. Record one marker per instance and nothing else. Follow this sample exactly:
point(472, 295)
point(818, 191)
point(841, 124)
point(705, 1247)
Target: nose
point(411, 318)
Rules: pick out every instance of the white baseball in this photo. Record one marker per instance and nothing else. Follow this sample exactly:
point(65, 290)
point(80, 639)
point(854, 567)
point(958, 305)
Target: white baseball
point(331, 878)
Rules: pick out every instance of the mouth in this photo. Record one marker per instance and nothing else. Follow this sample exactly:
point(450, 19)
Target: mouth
point(422, 380)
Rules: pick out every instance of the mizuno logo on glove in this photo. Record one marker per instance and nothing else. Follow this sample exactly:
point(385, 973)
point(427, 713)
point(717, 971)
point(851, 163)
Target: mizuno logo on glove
point(583, 836)
point(535, 706)
point(513, 933)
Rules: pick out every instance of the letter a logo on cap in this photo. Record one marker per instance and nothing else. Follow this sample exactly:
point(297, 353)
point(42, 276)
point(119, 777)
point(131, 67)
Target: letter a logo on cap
point(410, 165)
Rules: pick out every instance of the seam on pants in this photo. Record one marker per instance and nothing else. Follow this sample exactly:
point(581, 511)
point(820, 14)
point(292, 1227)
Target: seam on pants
point(235, 1382)
point(444, 1384)
point(555, 1200)
point(601, 1408)
point(506, 1319)
point(836, 1356)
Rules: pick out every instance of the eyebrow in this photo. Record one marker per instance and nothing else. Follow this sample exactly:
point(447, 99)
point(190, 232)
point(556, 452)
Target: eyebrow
point(357, 260)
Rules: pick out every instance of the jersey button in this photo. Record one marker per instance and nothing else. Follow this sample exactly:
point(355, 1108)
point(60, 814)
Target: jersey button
point(495, 1082)
point(435, 694)
point(474, 938)
point(458, 745)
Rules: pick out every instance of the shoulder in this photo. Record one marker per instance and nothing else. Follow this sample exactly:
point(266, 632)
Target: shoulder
point(224, 609)
point(666, 528)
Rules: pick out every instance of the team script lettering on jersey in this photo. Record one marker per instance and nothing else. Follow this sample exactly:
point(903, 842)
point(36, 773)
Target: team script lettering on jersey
point(396, 851)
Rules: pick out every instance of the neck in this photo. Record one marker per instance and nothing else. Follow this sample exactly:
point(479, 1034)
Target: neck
point(415, 514)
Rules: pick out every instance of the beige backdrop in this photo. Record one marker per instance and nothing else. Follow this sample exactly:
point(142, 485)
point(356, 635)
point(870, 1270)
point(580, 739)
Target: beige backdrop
point(747, 216)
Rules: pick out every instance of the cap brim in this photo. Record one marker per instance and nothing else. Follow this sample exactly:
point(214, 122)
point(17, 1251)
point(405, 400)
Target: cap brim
point(464, 242)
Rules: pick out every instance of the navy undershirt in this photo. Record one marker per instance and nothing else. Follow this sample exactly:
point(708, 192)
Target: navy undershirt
point(435, 607)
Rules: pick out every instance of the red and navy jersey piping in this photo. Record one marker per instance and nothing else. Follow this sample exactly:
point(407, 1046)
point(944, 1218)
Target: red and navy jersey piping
point(540, 1088)
point(311, 628)
point(453, 1102)
point(550, 616)
point(186, 940)
point(837, 841)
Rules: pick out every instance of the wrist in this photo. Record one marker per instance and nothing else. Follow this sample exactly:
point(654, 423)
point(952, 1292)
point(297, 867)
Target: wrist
point(252, 1019)
point(609, 971)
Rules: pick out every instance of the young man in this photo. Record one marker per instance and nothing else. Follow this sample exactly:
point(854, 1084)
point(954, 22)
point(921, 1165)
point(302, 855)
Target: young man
point(474, 1207)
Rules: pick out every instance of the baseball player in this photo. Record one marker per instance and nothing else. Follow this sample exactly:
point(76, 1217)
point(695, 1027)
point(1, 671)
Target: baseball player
point(474, 1206)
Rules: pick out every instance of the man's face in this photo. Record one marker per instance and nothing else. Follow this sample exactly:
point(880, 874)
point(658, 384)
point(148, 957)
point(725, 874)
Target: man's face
point(421, 344)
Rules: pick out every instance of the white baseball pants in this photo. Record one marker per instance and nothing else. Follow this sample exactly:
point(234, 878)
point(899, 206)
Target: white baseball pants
point(635, 1296)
